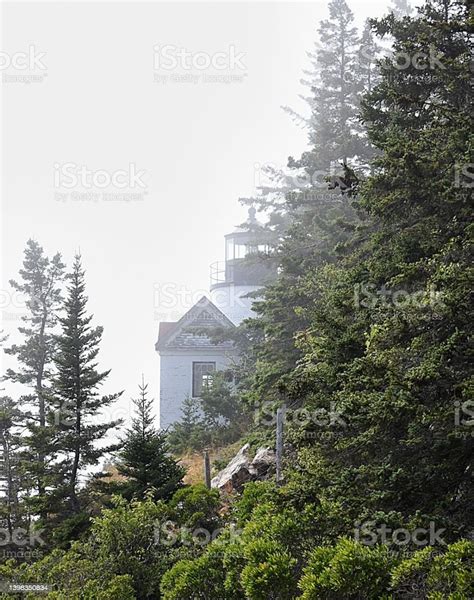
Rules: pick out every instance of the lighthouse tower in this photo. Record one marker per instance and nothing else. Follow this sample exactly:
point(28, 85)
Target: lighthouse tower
point(189, 356)
point(244, 271)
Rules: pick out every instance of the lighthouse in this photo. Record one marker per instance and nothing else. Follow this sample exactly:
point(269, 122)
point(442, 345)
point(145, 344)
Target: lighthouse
point(246, 269)
point(188, 354)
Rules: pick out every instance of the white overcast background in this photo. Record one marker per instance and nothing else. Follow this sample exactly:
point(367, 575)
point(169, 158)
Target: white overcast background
point(98, 105)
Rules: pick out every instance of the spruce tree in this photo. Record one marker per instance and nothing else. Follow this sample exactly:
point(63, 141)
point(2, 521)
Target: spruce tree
point(40, 284)
point(309, 187)
point(77, 400)
point(145, 460)
point(11, 481)
point(335, 102)
point(396, 365)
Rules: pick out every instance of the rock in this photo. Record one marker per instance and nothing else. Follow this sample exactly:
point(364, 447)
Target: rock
point(263, 462)
point(235, 474)
point(240, 470)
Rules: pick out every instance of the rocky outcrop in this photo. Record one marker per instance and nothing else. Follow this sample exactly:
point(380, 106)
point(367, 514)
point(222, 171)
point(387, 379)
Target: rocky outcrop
point(263, 463)
point(240, 470)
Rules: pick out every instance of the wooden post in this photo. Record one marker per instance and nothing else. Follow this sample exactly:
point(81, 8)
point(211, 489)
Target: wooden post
point(279, 444)
point(207, 469)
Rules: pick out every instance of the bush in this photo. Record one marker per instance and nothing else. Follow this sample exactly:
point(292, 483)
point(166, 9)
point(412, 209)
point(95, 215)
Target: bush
point(196, 506)
point(254, 494)
point(269, 571)
point(429, 574)
point(347, 570)
point(200, 579)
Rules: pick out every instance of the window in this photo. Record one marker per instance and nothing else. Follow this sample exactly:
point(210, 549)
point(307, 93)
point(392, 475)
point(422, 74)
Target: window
point(202, 376)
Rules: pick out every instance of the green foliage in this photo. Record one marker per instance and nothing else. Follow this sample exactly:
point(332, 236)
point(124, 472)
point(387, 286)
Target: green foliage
point(434, 575)
point(145, 458)
point(190, 433)
point(369, 319)
point(199, 579)
point(254, 494)
point(269, 571)
point(70, 528)
point(347, 570)
point(120, 555)
point(75, 574)
point(76, 398)
point(216, 419)
point(40, 284)
point(196, 506)
point(370, 316)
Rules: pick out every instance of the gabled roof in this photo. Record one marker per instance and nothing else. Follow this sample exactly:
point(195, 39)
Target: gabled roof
point(187, 332)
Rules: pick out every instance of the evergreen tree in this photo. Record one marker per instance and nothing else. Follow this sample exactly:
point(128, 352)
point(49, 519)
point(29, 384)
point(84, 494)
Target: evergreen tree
point(145, 459)
point(368, 54)
point(397, 371)
point(11, 484)
point(76, 397)
point(188, 433)
point(342, 68)
point(335, 102)
point(41, 279)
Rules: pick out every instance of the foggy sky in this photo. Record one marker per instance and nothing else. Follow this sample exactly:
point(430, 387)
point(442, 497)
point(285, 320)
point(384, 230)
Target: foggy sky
point(194, 145)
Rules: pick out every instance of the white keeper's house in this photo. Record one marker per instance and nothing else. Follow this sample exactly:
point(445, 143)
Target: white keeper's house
point(188, 357)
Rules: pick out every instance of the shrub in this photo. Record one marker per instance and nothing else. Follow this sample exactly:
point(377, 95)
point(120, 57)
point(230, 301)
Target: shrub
point(347, 570)
point(437, 576)
point(196, 506)
point(269, 572)
point(202, 578)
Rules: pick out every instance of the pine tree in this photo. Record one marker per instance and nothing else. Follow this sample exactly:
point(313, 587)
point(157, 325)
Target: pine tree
point(398, 371)
point(145, 460)
point(335, 102)
point(76, 397)
point(11, 483)
point(337, 77)
point(190, 432)
point(41, 280)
